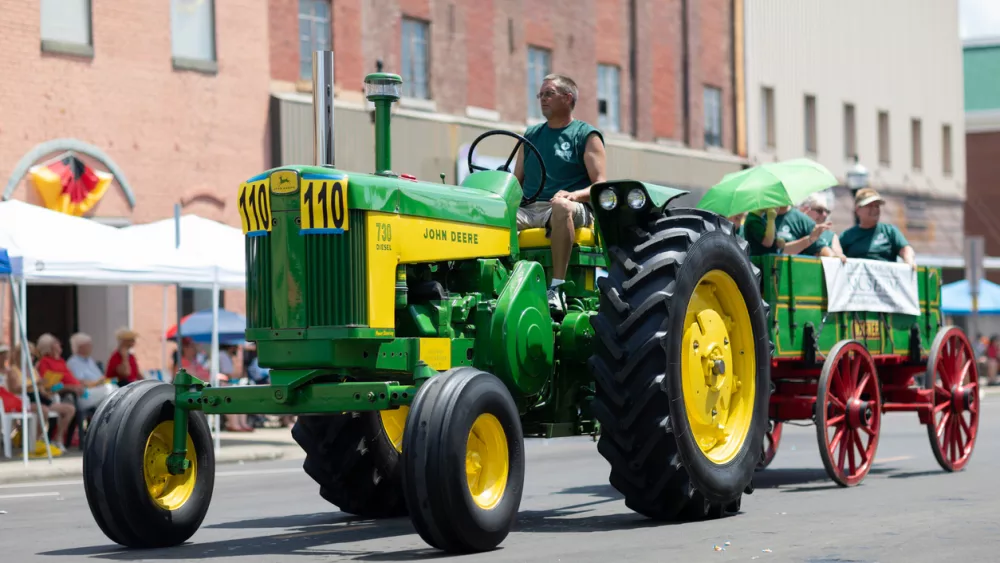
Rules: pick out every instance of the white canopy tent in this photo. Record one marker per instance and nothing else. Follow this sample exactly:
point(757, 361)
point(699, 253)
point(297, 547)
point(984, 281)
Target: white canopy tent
point(51, 247)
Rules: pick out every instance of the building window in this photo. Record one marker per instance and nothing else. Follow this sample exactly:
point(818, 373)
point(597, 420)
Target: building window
point(192, 29)
point(917, 149)
point(414, 57)
point(850, 132)
point(883, 138)
point(713, 116)
point(767, 118)
point(539, 66)
point(66, 23)
point(946, 150)
point(314, 33)
point(810, 121)
point(608, 95)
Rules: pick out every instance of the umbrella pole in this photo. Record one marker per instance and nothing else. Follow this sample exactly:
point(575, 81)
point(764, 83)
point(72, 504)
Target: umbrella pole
point(163, 338)
point(215, 360)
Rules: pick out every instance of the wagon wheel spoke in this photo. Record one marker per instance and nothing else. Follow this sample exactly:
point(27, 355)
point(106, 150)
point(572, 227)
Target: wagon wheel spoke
point(837, 403)
point(851, 436)
point(842, 450)
point(941, 406)
point(861, 449)
point(862, 385)
point(835, 420)
point(942, 423)
point(837, 437)
point(838, 385)
point(965, 371)
point(868, 431)
point(956, 440)
point(966, 429)
point(939, 388)
point(855, 369)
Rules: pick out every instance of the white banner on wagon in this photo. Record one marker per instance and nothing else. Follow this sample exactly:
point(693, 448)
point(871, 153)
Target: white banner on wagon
point(871, 285)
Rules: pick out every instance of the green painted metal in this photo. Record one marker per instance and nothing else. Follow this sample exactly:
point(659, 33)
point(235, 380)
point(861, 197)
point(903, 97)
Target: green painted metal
point(795, 288)
point(521, 336)
point(342, 258)
point(611, 223)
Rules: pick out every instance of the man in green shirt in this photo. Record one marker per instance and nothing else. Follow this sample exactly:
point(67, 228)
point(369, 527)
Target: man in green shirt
point(783, 229)
point(573, 152)
point(817, 207)
point(872, 239)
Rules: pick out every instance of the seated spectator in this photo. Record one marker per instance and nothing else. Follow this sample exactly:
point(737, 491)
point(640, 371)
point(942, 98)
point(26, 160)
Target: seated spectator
point(55, 375)
point(96, 387)
point(66, 411)
point(872, 239)
point(11, 403)
point(782, 230)
point(122, 366)
point(817, 208)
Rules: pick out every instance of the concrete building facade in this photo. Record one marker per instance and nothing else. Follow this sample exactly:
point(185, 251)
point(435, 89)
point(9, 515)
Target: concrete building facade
point(878, 80)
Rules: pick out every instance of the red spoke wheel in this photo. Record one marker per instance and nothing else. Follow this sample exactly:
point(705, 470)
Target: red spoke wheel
point(954, 376)
point(848, 413)
point(771, 440)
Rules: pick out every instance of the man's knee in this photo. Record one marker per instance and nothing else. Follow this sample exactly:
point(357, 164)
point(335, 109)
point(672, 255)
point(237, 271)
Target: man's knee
point(562, 210)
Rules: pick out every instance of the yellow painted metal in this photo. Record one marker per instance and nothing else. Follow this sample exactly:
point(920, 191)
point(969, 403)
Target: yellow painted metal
point(487, 463)
point(323, 205)
point(253, 205)
point(394, 421)
point(436, 352)
point(535, 238)
point(718, 367)
point(399, 239)
point(169, 492)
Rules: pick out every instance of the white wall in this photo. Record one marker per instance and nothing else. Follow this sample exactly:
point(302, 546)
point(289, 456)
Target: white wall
point(903, 56)
point(101, 311)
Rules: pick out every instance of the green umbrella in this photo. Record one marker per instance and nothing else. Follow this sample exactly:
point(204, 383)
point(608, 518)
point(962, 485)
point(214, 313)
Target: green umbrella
point(767, 185)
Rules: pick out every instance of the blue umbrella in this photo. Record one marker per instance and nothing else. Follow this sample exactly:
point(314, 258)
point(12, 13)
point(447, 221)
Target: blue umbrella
point(198, 327)
point(956, 299)
point(5, 268)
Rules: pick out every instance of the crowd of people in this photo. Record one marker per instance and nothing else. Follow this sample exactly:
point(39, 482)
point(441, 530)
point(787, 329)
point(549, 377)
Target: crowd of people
point(807, 230)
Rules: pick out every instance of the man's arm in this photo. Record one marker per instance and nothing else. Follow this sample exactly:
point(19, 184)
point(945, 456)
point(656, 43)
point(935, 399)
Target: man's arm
point(908, 255)
point(595, 159)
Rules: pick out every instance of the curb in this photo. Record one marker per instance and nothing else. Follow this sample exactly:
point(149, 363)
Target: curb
point(40, 470)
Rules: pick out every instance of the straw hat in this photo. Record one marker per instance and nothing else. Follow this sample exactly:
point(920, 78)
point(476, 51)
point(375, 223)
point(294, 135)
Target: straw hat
point(866, 196)
point(126, 334)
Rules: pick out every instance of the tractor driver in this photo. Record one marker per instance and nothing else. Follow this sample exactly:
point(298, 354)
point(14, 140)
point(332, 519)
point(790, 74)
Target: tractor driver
point(573, 153)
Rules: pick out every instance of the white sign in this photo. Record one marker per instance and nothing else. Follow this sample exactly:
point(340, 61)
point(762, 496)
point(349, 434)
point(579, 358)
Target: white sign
point(974, 250)
point(871, 285)
point(486, 161)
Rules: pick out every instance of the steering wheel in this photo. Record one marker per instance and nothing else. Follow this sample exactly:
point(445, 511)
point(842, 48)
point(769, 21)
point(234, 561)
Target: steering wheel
point(520, 140)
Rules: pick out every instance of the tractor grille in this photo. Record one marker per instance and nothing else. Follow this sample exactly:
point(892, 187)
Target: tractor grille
point(258, 288)
point(336, 288)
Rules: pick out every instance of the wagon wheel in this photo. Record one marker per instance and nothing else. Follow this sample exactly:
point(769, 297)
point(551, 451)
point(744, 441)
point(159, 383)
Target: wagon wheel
point(771, 441)
point(954, 423)
point(848, 413)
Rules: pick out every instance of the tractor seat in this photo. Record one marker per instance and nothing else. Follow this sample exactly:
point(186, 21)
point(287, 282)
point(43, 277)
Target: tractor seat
point(535, 238)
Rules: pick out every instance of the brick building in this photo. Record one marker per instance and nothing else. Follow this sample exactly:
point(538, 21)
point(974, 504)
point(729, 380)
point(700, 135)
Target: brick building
point(169, 97)
point(658, 77)
point(183, 100)
point(982, 142)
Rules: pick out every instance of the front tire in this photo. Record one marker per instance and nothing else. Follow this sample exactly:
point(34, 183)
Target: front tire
point(682, 366)
point(135, 501)
point(463, 470)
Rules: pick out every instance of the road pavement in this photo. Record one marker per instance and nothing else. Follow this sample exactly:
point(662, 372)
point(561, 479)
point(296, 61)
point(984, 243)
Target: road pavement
point(908, 509)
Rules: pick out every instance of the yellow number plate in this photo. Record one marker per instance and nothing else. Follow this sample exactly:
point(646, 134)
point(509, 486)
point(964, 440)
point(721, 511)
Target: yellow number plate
point(870, 330)
point(254, 205)
point(323, 204)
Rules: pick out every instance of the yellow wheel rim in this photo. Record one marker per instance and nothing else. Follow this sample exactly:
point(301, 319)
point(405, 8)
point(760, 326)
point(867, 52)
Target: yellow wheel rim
point(394, 421)
point(486, 461)
point(169, 492)
point(718, 367)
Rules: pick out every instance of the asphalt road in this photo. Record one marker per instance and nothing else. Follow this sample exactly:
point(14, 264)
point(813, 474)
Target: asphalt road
point(908, 509)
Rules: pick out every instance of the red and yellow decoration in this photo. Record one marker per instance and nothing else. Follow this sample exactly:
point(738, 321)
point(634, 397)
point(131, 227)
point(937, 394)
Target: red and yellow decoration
point(69, 186)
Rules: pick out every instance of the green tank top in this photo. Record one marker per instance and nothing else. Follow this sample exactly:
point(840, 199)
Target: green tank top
point(562, 151)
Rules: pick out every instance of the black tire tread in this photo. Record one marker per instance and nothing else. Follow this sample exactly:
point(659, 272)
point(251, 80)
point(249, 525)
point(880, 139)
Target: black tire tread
point(636, 438)
point(345, 458)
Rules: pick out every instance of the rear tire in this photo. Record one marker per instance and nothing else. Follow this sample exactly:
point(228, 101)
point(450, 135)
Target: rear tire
point(643, 400)
point(464, 462)
point(353, 461)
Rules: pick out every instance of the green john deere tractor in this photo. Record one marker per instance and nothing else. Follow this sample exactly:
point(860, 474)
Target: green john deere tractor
point(407, 324)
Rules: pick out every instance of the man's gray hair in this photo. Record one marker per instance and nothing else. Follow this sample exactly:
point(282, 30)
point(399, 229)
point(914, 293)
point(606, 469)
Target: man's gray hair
point(565, 85)
point(819, 199)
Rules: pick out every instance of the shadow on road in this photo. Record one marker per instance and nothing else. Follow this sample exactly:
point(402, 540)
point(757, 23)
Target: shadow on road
point(800, 480)
point(319, 533)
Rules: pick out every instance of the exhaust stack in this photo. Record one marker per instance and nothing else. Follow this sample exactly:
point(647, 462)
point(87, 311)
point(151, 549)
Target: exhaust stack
point(322, 75)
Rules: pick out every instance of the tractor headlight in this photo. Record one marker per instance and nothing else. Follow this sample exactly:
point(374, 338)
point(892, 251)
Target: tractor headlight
point(636, 198)
point(608, 199)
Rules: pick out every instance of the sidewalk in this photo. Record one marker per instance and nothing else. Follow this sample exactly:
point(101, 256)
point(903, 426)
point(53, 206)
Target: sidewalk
point(261, 445)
